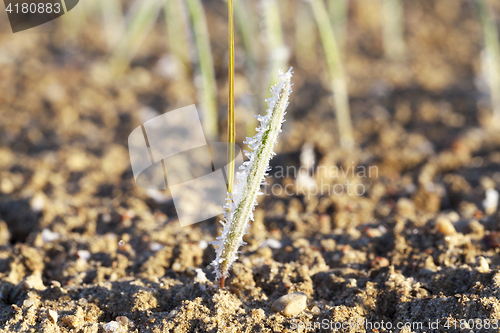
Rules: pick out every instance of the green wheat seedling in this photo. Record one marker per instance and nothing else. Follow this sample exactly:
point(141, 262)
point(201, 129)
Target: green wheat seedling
point(336, 70)
point(306, 37)
point(338, 10)
point(393, 30)
point(205, 61)
point(112, 19)
point(73, 24)
point(247, 29)
point(243, 199)
point(278, 52)
point(492, 53)
point(177, 27)
point(141, 18)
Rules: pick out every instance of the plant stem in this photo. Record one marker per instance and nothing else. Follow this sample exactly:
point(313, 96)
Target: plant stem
point(205, 61)
point(176, 24)
point(278, 52)
point(492, 50)
point(247, 29)
point(231, 132)
point(337, 76)
point(338, 10)
point(141, 18)
point(245, 23)
point(112, 17)
point(306, 37)
point(393, 30)
point(245, 192)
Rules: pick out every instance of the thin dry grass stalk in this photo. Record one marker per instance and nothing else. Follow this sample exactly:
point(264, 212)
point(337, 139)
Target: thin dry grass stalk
point(231, 126)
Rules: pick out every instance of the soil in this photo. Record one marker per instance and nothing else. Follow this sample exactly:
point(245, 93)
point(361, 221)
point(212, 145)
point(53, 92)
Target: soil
point(82, 247)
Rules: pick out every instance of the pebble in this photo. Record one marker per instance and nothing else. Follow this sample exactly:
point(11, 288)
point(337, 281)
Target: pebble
point(203, 244)
point(124, 320)
point(83, 254)
point(177, 267)
point(49, 236)
point(271, 243)
point(33, 281)
point(290, 305)
point(482, 265)
point(444, 226)
point(55, 283)
point(27, 303)
point(157, 196)
point(155, 247)
point(315, 311)
point(453, 216)
point(112, 326)
point(37, 203)
point(200, 276)
point(490, 202)
point(405, 207)
point(72, 321)
point(53, 316)
point(379, 262)
point(422, 292)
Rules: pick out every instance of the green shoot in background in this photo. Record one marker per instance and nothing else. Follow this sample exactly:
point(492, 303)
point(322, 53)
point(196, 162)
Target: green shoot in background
point(277, 51)
point(393, 30)
point(141, 18)
point(338, 11)
point(206, 65)
point(306, 36)
point(336, 70)
point(247, 29)
point(112, 19)
point(177, 26)
point(492, 54)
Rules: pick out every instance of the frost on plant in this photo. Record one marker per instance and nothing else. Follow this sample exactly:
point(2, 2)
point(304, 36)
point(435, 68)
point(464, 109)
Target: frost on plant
point(242, 201)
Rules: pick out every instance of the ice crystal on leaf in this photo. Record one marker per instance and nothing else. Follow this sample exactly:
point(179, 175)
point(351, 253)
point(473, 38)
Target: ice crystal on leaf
point(243, 199)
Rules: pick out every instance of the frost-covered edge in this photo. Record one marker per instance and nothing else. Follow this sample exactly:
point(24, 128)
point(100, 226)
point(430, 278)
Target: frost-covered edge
point(239, 208)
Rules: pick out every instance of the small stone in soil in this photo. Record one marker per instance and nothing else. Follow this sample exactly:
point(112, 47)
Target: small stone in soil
point(290, 305)
point(123, 320)
point(27, 303)
point(490, 202)
point(72, 321)
point(444, 226)
point(271, 243)
point(315, 311)
point(482, 265)
point(53, 316)
point(55, 283)
point(112, 326)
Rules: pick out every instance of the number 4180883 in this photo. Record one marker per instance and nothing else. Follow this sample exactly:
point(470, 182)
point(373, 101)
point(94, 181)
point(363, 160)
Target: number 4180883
point(34, 8)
